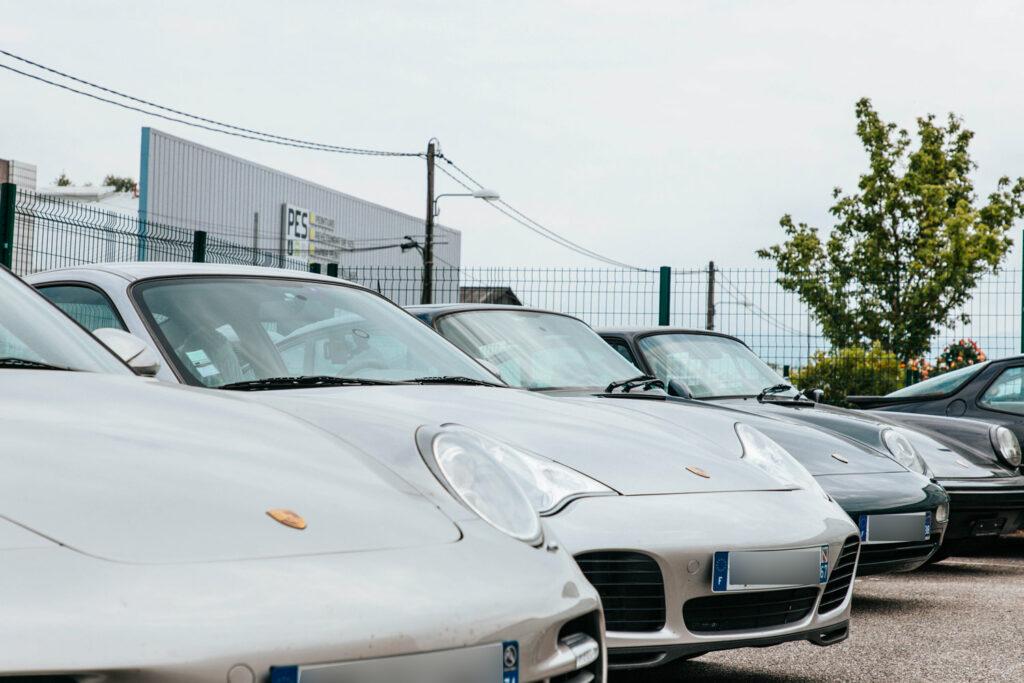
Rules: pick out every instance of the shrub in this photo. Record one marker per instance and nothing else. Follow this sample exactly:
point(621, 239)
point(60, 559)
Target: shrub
point(957, 355)
point(850, 371)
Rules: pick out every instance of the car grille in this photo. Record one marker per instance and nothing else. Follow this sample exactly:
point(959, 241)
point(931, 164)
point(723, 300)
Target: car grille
point(877, 556)
point(748, 611)
point(631, 588)
point(841, 577)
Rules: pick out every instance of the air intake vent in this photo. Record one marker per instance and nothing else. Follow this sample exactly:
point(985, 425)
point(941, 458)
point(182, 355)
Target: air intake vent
point(630, 586)
point(842, 576)
point(875, 557)
point(748, 611)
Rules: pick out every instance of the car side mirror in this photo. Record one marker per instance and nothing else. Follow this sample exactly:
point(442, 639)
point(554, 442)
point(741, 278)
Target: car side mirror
point(490, 367)
point(816, 395)
point(133, 351)
point(677, 388)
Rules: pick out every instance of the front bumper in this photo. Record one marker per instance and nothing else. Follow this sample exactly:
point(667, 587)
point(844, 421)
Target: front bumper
point(649, 556)
point(108, 622)
point(984, 507)
point(889, 494)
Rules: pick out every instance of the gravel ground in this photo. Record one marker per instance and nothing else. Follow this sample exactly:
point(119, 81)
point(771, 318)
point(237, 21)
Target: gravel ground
point(959, 620)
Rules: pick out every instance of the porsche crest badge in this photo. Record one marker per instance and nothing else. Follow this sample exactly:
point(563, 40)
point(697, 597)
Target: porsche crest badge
point(287, 517)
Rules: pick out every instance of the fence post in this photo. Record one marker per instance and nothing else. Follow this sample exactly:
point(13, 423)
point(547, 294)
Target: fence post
point(332, 270)
point(664, 295)
point(199, 246)
point(8, 195)
point(710, 322)
point(314, 267)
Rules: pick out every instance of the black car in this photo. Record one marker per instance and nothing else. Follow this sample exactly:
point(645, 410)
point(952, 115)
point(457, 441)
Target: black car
point(974, 461)
point(992, 391)
point(561, 356)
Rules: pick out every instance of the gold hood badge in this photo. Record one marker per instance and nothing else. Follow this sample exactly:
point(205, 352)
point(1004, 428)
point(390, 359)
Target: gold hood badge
point(698, 471)
point(287, 517)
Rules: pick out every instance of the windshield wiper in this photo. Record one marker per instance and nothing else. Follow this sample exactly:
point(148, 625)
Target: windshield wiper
point(778, 389)
point(302, 382)
point(627, 385)
point(26, 364)
point(454, 379)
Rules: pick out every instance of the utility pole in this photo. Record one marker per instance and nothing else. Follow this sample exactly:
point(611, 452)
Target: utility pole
point(710, 325)
point(428, 242)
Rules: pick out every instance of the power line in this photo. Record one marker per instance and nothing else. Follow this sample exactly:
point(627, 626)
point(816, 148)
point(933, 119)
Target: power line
point(538, 228)
point(225, 128)
point(213, 125)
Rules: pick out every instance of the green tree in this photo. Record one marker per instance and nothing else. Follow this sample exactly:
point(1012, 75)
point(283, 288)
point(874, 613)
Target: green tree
point(63, 180)
point(121, 183)
point(908, 247)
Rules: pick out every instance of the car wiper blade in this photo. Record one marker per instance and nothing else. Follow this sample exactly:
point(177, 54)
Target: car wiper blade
point(454, 379)
point(772, 390)
point(302, 382)
point(627, 385)
point(26, 364)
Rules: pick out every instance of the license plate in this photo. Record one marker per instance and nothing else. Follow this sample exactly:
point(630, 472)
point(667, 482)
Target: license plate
point(759, 569)
point(497, 663)
point(903, 528)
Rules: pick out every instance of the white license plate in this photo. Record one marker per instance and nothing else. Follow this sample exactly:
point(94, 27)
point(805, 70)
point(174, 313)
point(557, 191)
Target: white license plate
point(902, 528)
point(759, 569)
point(495, 663)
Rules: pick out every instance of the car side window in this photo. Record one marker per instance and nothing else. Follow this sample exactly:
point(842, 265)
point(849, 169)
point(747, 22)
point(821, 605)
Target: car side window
point(1006, 393)
point(623, 349)
point(89, 307)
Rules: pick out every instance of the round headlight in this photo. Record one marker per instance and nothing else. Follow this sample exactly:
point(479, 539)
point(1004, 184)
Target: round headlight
point(1006, 445)
point(766, 454)
point(903, 451)
point(469, 466)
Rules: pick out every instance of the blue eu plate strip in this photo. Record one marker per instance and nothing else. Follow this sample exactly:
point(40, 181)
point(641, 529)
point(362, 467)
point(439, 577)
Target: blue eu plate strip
point(823, 570)
point(863, 528)
point(284, 674)
point(510, 661)
point(720, 572)
point(927, 525)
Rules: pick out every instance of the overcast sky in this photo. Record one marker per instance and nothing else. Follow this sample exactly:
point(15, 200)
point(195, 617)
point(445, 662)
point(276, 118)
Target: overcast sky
point(657, 133)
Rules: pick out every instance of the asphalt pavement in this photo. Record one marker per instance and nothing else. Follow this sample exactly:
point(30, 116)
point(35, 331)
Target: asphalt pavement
point(958, 620)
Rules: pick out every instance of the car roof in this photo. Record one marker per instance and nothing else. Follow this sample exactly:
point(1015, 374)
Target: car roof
point(141, 270)
point(431, 311)
point(635, 332)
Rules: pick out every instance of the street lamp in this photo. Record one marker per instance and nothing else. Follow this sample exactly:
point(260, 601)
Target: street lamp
point(482, 193)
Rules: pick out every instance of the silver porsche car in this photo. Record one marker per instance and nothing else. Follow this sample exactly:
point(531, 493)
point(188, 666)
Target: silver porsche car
point(694, 544)
point(157, 533)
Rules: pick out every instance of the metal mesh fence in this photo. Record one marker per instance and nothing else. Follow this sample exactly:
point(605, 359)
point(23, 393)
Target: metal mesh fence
point(748, 303)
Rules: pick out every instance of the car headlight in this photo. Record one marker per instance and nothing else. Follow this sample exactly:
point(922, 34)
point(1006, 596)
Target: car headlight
point(494, 478)
point(1006, 445)
point(942, 513)
point(766, 454)
point(903, 451)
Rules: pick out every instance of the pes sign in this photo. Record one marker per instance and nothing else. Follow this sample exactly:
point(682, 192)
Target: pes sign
point(297, 232)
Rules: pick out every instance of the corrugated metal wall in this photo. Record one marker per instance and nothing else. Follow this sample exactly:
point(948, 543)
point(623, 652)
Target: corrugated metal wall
point(186, 184)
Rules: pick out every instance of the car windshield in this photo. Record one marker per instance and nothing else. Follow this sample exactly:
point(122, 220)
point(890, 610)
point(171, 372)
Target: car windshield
point(710, 366)
point(226, 330)
point(35, 335)
point(537, 350)
point(943, 384)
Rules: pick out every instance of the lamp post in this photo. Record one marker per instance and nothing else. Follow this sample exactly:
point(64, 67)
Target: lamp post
point(427, 290)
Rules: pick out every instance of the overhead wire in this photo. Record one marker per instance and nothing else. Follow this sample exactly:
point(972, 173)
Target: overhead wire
point(213, 125)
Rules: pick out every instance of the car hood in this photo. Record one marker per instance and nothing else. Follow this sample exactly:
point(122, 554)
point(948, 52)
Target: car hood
point(954, 447)
point(137, 471)
point(812, 447)
point(958, 457)
point(627, 451)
